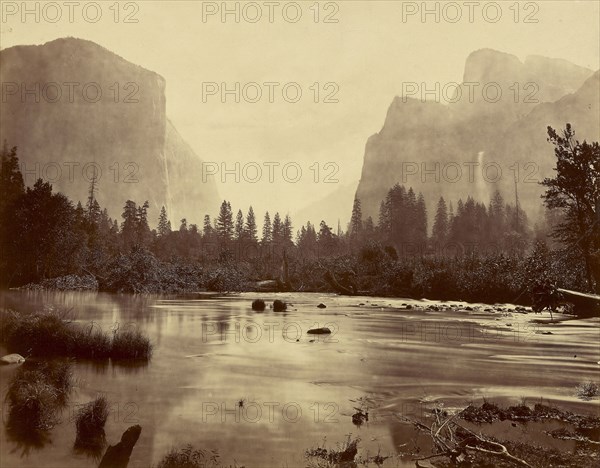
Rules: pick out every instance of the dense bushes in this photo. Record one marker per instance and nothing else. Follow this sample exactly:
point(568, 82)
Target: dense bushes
point(139, 271)
point(374, 270)
point(493, 277)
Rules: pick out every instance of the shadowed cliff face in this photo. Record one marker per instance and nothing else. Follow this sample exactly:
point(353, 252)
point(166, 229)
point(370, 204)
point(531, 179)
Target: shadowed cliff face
point(471, 143)
point(73, 107)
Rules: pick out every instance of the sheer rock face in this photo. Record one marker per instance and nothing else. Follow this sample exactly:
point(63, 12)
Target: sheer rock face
point(441, 147)
point(123, 132)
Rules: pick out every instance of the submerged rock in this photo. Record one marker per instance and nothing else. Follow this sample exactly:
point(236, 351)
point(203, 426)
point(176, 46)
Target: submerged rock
point(12, 359)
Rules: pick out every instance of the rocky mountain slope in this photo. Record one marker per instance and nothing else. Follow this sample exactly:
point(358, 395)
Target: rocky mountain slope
point(477, 136)
point(73, 107)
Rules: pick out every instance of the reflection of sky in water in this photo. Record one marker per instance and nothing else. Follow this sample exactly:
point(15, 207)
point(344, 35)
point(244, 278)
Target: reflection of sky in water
point(211, 353)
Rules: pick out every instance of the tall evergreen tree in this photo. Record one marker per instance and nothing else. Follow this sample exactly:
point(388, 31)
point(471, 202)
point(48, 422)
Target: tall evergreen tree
point(92, 206)
point(11, 179)
point(251, 230)
point(130, 223)
point(225, 222)
point(266, 231)
point(420, 221)
point(287, 231)
point(356, 224)
point(207, 229)
point(143, 228)
point(277, 231)
point(239, 226)
point(164, 225)
point(439, 233)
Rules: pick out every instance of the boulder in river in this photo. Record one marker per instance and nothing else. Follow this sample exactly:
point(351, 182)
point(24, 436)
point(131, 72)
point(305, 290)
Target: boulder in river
point(258, 305)
point(319, 331)
point(279, 306)
point(322, 306)
point(12, 359)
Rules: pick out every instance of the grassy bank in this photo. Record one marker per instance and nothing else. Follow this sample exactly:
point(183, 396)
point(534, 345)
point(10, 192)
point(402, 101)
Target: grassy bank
point(53, 333)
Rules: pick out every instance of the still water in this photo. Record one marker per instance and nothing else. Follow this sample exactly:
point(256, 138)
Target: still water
point(259, 390)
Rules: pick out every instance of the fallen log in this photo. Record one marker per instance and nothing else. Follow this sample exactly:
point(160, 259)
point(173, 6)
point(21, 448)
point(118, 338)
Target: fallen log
point(584, 304)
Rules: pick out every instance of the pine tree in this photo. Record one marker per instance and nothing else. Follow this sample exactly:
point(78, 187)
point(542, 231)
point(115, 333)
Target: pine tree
point(440, 228)
point(92, 206)
point(497, 218)
point(239, 226)
point(130, 223)
point(421, 221)
point(277, 231)
point(266, 231)
point(287, 231)
point(356, 224)
point(225, 222)
point(383, 224)
point(143, 228)
point(207, 229)
point(164, 225)
point(251, 225)
point(11, 179)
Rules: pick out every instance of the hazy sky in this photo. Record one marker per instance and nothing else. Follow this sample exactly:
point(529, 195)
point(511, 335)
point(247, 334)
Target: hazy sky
point(367, 55)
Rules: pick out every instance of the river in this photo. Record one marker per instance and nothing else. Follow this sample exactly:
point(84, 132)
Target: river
point(259, 390)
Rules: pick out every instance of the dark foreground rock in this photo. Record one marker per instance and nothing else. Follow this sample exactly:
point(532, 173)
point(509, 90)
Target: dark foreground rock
point(117, 456)
point(319, 331)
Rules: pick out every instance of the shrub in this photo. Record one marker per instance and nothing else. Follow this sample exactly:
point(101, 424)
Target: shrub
point(35, 394)
point(187, 457)
point(131, 344)
point(588, 390)
point(91, 418)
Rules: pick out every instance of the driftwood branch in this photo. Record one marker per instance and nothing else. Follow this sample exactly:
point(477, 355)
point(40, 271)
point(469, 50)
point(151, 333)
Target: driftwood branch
point(448, 447)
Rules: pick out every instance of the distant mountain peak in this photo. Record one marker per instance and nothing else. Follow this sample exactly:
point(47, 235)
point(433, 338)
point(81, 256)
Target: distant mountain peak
point(421, 136)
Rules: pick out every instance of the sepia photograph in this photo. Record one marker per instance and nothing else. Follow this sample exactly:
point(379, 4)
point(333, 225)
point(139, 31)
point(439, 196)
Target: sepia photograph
point(300, 234)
